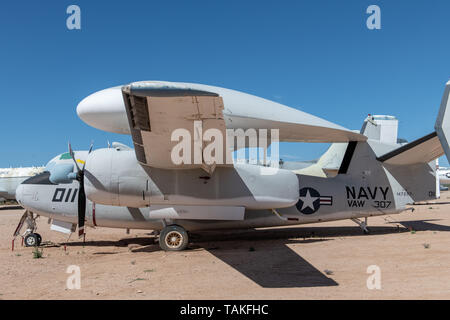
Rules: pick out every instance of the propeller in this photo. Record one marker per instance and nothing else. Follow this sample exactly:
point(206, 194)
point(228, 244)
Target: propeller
point(81, 194)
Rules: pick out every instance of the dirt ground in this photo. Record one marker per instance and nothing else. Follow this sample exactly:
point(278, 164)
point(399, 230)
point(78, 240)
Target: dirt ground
point(319, 261)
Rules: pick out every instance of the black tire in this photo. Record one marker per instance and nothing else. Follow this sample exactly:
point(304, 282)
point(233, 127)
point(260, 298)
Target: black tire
point(39, 238)
point(31, 240)
point(173, 238)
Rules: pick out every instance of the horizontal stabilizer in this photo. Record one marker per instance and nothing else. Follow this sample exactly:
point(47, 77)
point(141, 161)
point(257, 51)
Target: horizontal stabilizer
point(422, 150)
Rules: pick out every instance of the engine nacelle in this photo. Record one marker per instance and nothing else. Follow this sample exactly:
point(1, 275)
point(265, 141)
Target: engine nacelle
point(114, 177)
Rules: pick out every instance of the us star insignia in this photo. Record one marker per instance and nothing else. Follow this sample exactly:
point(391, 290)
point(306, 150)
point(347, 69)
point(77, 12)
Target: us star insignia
point(310, 201)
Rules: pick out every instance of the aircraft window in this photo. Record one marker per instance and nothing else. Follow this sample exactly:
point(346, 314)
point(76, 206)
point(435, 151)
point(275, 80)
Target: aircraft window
point(42, 178)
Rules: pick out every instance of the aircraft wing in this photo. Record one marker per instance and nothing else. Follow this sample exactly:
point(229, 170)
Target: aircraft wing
point(155, 112)
point(156, 109)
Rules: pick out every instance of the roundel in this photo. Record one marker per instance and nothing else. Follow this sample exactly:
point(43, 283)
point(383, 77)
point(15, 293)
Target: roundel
point(310, 200)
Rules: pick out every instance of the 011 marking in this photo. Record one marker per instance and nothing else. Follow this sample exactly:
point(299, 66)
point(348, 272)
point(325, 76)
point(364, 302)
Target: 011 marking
point(61, 196)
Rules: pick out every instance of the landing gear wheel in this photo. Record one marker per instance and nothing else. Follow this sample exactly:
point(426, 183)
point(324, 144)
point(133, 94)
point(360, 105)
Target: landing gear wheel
point(39, 238)
point(173, 238)
point(31, 240)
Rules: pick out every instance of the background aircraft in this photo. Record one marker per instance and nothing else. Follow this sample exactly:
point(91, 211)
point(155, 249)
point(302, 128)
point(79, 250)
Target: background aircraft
point(10, 178)
point(142, 188)
point(444, 175)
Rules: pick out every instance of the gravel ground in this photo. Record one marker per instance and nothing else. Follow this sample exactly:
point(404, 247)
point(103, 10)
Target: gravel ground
point(319, 261)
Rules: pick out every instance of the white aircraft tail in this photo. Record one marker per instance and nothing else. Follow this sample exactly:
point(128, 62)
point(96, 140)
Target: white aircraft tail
point(381, 127)
point(442, 125)
point(429, 147)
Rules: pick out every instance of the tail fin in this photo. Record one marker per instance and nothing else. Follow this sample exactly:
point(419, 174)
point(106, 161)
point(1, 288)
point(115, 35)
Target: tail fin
point(442, 125)
point(429, 147)
point(381, 127)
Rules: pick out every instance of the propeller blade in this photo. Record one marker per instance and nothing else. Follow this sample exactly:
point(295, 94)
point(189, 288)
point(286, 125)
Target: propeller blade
point(81, 207)
point(90, 150)
point(72, 154)
point(91, 146)
point(81, 193)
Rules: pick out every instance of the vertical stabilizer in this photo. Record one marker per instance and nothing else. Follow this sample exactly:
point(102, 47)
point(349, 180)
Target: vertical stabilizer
point(442, 125)
point(380, 127)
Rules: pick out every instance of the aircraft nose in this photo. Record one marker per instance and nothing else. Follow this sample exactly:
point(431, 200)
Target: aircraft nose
point(24, 195)
point(105, 110)
point(19, 193)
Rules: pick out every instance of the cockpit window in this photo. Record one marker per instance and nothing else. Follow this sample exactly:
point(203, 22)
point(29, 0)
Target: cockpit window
point(42, 178)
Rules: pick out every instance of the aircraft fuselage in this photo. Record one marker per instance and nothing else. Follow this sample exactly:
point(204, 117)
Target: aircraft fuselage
point(136, 203)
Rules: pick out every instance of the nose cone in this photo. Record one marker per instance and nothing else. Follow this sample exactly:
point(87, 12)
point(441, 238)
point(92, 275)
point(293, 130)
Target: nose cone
point(19, 193)
point(105, 110)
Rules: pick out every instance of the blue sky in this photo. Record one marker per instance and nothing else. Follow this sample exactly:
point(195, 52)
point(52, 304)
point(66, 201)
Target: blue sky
point(317, 55)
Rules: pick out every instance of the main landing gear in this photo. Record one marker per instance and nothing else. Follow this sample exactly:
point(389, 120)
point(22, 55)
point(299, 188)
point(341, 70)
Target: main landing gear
point(173, 238)
point(362, 224)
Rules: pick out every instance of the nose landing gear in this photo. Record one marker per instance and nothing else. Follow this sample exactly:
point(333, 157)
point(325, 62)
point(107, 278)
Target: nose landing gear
point(33, 239)
point(30, 237)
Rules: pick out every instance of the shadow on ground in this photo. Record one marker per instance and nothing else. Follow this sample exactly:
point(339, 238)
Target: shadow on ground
point(142, 241)
point(424, 225)
point(261, 255)
point(272, 264)
point(11, 208)
point(264, 255)
point(294, 232)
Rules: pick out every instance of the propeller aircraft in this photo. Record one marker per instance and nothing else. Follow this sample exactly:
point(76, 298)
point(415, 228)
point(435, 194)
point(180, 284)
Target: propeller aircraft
point(180, 177)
